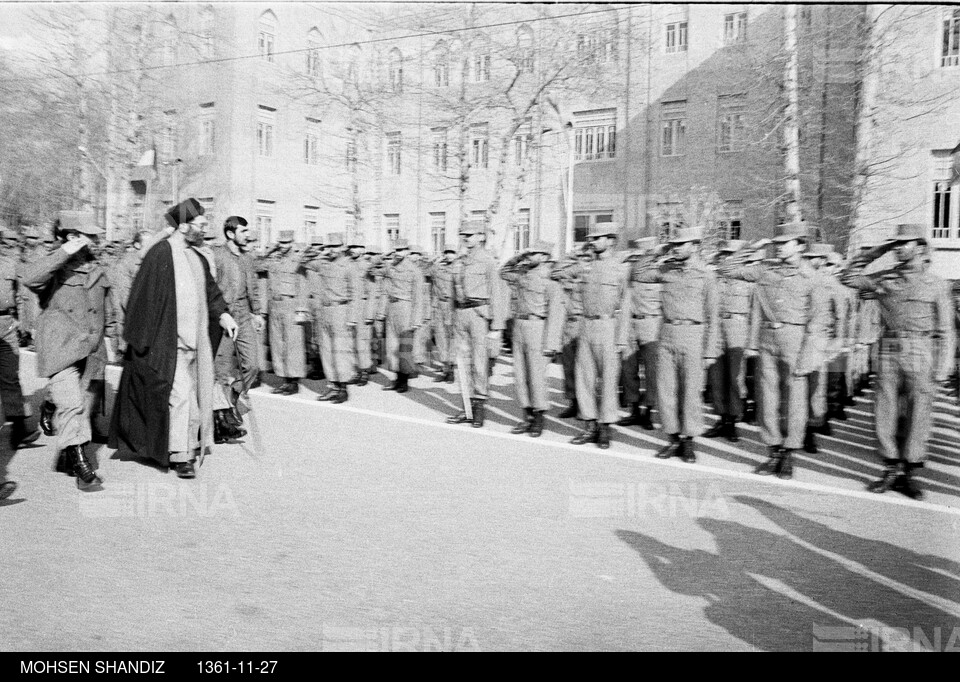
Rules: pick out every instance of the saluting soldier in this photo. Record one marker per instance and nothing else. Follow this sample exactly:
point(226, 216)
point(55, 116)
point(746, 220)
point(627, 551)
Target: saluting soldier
point(287, 310)
point(537, 326)
point(362, 331)
point(916, 315)
point(868, 334)
point(567, 272)
point(76, 316)
point(237, 279)
point(481, 310)
point(442, 318)
point(335, 296)
point(646, 312)
point(11, 392)
point(422, 334)
point(373, 286)
point(789, 306)
point(689, 337)
point(402, 309)
point(603, 284)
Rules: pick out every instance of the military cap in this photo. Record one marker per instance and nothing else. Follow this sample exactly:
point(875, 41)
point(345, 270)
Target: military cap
point(449, 248)
point(470, 227)
point(31, 232)
point(789, 231)
point(401, 244)
point(84, 222)
point(334, 239)
point(356, 242)
point(818, 250)
point(643, 243)
point(682, 235)
point(732, 245)
point(373, 250)
point(48, 237)
point(234, 222)
point(542, 246)
point(316, 240)
point(184, 212)
point(285, 237)
point(603, 230)
point(416, 248)
point(910, 232)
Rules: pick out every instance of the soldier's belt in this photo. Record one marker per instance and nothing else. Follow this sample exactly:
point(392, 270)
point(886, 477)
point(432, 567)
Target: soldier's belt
point(727, 316)
point(646, 317)
point(905, 334)
point(778, 325)
point(530, 316)
point(471, 303)
point(598, 317)
point(683, 322)
point(334, 303)
point(574, 318)
point(394, 299)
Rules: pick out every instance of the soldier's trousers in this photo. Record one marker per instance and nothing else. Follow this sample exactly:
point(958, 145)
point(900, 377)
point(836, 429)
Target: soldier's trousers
point(363, 339)
point(817, 396)
point(443, 333)
point(728, 383)
point(287, 345)
point(472, 330)
point(905, 380)
point(782, 395)
point(11, 393)
point(420, 338)
point(529, 364)
point(335, 340)
point(227, 370)
point(641, 353)
point(74, 391)
point(680, 379)
point(400, 335)
point(598, 363)
point(568, 356)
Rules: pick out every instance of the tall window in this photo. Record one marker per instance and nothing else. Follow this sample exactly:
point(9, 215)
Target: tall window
point(265, 220)
point(441, 65)
point(439, 148)
point(311, 143)
point(481, 67)
point(945, 221)
point(208, 130)
point(266, 122)
point(734, 27)
point(207, 19)
point(391, 222)
point(311, 219)
point(673, 126)
point(479, 145)
point(525, 49)
point(730, 123)
point(396, 70)
point(584, 221)
point(731, 220)
point(313, 53)
point(393, 153)
point(676, 40)
point(595, 134)
point(438, 231)
point(521, 231)
point(950, 50)
point(267, 36)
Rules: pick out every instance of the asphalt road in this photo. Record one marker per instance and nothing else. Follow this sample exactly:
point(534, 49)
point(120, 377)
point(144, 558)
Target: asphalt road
point(374, 525)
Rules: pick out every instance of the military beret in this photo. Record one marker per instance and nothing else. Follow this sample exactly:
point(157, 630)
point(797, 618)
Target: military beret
point(603, 230)
point(333, 239)
point(285, 237)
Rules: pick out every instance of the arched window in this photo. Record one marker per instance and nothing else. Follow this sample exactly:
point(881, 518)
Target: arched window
point(267, 36)
point(313, 53)
point(395, 60)
point(207, 19)
point(441, 64)
point(525, 49)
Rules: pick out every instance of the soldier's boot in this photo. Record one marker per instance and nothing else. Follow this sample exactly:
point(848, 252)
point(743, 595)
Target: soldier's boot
point(6, 489)
point(355, 379)
point(686, 452)
point(87, 478)
point(646, 422)
point(293, 387)
point(670, 449)
point(590, 434)
point(478, 412)
point(341, 396)
point(633, 419)
point(750, 412)
point(524, 425)
point(891, 474)
point(64, 464)
point(536, 428)
point(448, 377)
point(824, 429)
point(785, 469)
point(20, 435)
point(219, 435)
point(772, 465)
point(907, 484)
point(732, 434)
point(442, 376)
point(718, 429)
point(47, 410)
point(571, 411)
point(282, 388)
point(364, 377)
point(810, 441)
point(603, 436)
point(331, 393)
point(234, 423)
point(403, 380)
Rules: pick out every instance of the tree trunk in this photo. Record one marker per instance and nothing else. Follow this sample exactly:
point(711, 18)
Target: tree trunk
point(791, 127)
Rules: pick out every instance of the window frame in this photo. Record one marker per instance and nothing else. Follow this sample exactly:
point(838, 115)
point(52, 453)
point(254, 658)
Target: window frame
point(678, 137)
point(266, 132)
point(394, 144)
point(679, 31)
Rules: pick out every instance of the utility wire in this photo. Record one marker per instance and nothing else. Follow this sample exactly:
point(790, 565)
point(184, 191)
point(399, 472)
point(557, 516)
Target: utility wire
point(370, 41)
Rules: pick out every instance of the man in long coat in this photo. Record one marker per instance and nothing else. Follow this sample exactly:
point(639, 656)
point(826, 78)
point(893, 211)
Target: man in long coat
point(164, 406)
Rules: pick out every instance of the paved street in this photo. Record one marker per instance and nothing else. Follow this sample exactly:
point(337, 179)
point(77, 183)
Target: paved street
point(374, 525)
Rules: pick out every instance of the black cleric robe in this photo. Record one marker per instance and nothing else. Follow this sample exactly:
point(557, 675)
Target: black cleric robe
point(141, 411)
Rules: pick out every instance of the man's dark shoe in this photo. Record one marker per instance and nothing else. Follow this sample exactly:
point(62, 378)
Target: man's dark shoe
point(47, 410)
point(590, 434)
point(718, 429)
point(785, 469)
point(219, 436)
point(570, 412)
point(603, 436)
point(907, 485)
point(670, 449)
point(536, 428)
point(87, 478)
point(184, 469)
point(633, 419)
point(750, 412)
point(772, 465)
point(459, 418)
point(646, 422)
point(889, 479)
point(341, 396)
point(524, 425)
point(478, 413)
point(732, 434)
point(686, 452)
point(20, 435)
point(364, 378)
point(810, 441)
point(7, 489)
point(332, 392)
point(282, 388)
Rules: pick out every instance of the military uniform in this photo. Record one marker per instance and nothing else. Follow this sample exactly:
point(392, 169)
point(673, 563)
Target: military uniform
point(481, 308)
point(790, 309)
point(646, 313)
point(422, 334)
point(286, 298)
point(402, 309)
point(442, 317)
point(566, 273)
point(916, 313)
point(538, 320)
point(366, 307)
point(77, 315)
